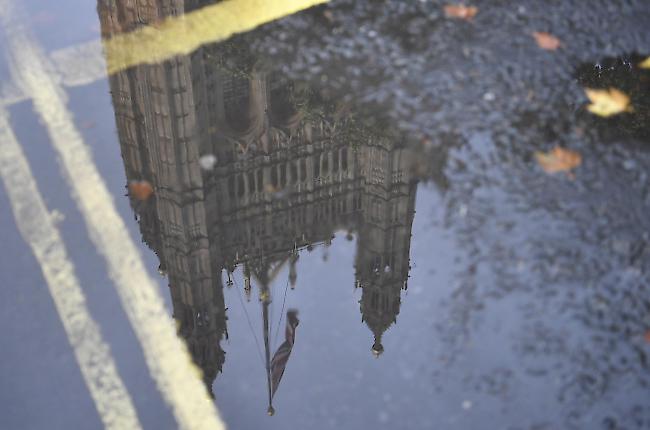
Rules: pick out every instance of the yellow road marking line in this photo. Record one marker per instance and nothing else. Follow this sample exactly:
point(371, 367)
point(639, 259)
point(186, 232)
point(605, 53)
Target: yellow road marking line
point(183, 34)
point(37, 228)
point(166, 355)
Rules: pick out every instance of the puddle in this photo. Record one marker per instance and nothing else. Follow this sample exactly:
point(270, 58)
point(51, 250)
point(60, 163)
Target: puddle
point(347, 219)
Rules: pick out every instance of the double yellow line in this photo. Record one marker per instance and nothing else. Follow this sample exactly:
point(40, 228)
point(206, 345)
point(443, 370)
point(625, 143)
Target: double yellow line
point(166, 355)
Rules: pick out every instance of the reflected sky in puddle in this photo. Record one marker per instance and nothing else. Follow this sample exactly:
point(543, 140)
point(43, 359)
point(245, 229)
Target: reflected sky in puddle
point(439, 275)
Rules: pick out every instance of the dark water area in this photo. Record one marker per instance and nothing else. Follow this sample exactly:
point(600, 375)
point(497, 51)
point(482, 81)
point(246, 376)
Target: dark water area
point(371, 165)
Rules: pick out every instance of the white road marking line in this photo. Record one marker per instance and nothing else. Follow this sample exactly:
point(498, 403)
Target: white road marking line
point(37, 228)
point(73, 66)
point(81, 64)
point(166, 355)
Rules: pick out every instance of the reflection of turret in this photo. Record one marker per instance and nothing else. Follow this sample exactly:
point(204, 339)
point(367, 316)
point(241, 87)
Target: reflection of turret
point(203, 328)
point(157, 125)
point(382, 263)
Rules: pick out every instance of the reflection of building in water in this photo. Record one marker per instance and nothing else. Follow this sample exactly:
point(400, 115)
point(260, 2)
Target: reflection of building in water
point(285, 178)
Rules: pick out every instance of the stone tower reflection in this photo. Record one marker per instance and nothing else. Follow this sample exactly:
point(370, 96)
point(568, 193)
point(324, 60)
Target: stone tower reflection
point(249, 168)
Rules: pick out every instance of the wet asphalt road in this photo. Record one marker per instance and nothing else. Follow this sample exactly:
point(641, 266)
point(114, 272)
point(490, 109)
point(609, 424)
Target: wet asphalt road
point(558, 252)
point(529, 299)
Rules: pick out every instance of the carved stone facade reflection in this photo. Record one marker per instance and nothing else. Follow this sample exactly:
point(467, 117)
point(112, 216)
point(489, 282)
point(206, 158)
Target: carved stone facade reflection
point(283, 179)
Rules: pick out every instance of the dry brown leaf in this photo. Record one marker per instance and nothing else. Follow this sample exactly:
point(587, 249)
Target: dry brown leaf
point(546, 40)
point(558, 160)
point(608, 102)
point(140, 190)
point(646, 336)
point(328, 15)
point(461, 11)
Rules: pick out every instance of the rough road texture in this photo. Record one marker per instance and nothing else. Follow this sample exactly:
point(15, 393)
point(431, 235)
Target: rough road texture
point(568, 257)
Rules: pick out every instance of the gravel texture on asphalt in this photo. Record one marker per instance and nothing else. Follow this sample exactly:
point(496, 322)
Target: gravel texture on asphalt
point(478, 98)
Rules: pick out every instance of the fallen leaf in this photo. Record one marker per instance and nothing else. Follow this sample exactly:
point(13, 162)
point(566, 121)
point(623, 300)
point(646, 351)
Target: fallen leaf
point(328, 15)
point(645, 64)
point(558, 160)
point(608, 102)
point(461, 11)
point(646, 337)
point(546, 40)
point(140, 190)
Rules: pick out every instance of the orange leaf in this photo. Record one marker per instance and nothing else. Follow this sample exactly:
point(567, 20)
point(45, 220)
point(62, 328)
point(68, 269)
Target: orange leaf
point(461, 11)
point(646, 337)
point(558, 160)
point(546, 40)
point(140, 190)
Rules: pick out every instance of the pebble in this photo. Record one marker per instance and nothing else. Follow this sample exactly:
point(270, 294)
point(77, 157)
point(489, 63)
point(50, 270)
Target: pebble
point(208, 161)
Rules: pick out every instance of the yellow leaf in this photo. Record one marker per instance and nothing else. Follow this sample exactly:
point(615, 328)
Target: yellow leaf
point(558, 160)
point(608, 102)
point(645, 64)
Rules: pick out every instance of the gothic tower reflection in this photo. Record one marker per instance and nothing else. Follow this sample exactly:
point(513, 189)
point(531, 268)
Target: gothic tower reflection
point(249, 168)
